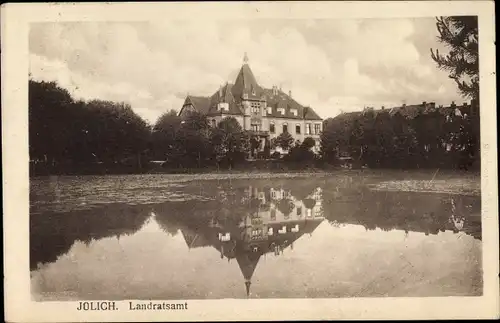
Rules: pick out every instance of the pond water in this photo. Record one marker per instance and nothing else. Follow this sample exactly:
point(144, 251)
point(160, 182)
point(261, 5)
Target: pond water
point(178, 237)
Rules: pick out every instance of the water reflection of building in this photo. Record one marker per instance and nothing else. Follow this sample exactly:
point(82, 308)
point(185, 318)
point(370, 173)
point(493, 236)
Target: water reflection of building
point(273, 221)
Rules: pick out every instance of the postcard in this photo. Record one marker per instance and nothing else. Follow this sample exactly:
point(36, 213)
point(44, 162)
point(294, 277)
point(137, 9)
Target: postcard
point(249, 161)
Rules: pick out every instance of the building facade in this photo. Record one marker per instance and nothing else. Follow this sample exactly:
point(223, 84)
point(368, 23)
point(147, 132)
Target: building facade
point(265, 112)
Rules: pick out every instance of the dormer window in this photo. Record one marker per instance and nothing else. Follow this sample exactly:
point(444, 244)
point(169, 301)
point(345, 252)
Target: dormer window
point(282, 111)
point(294, 112)
point(223, 106)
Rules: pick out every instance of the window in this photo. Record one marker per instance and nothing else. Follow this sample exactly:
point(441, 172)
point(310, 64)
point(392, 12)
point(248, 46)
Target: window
point(271, 127)
point(255, 127)
point(282, 111)
point(294, 111)
point(285, 127)
point(299, 211)
point(269, 110)
point(214, 123)
point(317, 128)
point(255, 107)
point(297, 129)
point(308, 129)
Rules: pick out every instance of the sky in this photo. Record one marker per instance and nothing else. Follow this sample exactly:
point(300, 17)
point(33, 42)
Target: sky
point(331, 65)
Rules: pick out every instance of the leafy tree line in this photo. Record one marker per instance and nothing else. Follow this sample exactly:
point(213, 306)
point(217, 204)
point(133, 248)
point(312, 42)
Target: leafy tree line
point(66, 134)
point(71, 136)
point(378, 139)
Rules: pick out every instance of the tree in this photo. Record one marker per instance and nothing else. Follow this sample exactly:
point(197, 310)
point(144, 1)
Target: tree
point(194, 141)
point(50, 117)
point(164, 136)
point(301, 152)
point(460, 35)
point(254, 144)
point(308, 143)
point(67, 134)
point(229, 141)
point(284, 141)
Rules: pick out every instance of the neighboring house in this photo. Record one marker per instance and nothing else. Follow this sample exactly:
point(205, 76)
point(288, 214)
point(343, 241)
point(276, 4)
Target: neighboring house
point(265, 112)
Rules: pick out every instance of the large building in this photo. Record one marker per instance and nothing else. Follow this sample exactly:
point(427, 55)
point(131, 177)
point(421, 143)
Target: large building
point(265, 112)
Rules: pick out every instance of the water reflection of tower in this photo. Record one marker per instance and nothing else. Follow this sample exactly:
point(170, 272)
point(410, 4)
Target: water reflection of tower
point(250, 229)
point(273, 228)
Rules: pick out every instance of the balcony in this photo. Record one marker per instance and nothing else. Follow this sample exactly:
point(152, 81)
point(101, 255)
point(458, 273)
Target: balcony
point(259, 133)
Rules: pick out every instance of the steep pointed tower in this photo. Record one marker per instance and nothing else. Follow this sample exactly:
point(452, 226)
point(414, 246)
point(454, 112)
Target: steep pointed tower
point(250, 95)
point(246, 83)
point(247, 263)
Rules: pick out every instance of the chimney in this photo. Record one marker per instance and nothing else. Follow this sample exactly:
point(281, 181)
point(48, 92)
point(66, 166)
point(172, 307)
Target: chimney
point(453, 104)
point(290, 93)
point(220, 92)
point(424, 103)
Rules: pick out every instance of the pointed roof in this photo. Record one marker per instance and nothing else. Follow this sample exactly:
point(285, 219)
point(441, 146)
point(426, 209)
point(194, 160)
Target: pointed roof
point(224, 94)
point(193, 239)
point(248, 262)
point(200, 103)
point(246, 83)
point(246, 86)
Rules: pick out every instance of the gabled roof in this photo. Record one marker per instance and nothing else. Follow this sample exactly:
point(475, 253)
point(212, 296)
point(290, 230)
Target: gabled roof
point(200, 103)
point(224, 94)
point(284, 101)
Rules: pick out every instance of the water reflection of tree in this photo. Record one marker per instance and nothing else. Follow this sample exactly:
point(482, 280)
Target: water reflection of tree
point(285, 206)
point(53, 234)
point(426, 213)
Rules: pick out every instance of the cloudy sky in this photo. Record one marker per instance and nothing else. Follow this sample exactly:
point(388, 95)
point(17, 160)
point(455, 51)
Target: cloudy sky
point(331, 65)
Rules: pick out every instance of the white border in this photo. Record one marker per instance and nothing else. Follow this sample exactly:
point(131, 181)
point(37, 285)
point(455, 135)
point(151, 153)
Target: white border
point(15, 20)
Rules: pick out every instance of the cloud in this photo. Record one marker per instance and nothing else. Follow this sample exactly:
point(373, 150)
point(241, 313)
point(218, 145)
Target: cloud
point(330, 65)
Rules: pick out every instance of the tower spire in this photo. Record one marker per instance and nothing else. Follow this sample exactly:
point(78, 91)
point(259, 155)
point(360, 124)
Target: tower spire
point(247, 285)
point(245, 58)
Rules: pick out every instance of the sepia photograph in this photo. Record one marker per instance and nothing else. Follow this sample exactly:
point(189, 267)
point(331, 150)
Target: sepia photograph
point(188, 159)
